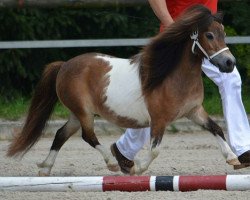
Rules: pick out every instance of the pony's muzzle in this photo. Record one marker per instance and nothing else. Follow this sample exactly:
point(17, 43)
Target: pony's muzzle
point(225, 62)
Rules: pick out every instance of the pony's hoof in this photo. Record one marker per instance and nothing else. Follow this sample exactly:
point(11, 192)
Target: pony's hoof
point(137, 168)
point(241, 166)
point(234, 162)
point(112, 164)
point(41, 173)
point(114, 168)
point(132, 171)
point(45, 170)
point(136, 171)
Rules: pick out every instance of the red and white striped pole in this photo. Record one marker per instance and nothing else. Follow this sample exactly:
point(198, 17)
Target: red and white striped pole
point(127, 183)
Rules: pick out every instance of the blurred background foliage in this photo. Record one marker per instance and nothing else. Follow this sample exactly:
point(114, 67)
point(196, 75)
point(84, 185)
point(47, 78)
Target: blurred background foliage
point(20, 69)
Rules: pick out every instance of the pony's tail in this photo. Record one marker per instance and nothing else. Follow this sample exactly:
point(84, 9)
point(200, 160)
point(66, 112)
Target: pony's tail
point(42, 105)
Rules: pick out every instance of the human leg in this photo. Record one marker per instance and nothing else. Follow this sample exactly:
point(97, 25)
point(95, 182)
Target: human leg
point(229, 85)
point(127, 146)
point(132, 141)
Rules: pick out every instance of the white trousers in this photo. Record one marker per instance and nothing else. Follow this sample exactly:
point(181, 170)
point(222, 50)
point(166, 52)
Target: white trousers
point(229, 84)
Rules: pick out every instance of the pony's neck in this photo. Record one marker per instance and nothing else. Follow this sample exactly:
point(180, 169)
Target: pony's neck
point(191, 62)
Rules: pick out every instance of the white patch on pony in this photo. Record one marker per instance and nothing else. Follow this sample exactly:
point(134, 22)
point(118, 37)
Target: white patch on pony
point(48, 163)
point(110, 160)
point(141, 166)
point(227, 152)
point(124, 92)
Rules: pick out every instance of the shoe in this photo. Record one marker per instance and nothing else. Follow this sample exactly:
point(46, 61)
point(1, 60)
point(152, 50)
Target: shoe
point(244, 160)
point(124, 163)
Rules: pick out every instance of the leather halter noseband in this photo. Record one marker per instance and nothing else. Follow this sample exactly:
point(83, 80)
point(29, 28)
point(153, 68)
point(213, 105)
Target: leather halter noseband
point(194, 36)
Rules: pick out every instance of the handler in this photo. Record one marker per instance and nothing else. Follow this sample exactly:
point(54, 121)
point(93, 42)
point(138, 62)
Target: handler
point(229, 84)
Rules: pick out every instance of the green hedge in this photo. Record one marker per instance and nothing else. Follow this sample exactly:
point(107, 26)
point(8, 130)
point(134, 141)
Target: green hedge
point(20, 69)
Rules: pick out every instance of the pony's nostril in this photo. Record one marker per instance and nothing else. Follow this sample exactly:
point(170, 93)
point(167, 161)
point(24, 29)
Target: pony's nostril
point(229, 63)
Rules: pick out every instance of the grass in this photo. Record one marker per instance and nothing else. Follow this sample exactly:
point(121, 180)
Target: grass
point(14, 109)
point(214, 107)
point(18, 108)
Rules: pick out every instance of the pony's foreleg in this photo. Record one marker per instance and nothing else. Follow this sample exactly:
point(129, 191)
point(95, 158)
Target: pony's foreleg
point(141, 166)
point(62, 135)
point(200, 117)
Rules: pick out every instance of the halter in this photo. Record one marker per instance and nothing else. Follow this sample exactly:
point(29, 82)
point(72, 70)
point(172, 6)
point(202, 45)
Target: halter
point(194, 36)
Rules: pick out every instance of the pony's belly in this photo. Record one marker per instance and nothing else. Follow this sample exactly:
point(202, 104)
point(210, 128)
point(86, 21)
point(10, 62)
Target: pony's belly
point(132, 111)
point(123, 93)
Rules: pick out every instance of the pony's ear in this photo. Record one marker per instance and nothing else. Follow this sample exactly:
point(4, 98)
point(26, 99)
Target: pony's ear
point(219, 17)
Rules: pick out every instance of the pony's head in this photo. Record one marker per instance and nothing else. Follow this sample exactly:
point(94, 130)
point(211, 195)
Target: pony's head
point(209, 40)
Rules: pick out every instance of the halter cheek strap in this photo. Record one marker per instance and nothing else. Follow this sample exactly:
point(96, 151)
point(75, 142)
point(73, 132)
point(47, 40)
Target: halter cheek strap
point(194, 36)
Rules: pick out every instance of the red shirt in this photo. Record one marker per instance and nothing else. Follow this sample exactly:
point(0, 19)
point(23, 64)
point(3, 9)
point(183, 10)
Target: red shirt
point(176, 7)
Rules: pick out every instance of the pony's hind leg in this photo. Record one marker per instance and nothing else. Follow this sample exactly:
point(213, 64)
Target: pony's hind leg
point(88, 135)
point(200, 117)
point(62, 135)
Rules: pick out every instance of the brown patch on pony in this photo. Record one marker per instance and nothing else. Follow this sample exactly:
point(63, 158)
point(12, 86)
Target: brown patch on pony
point(214, 128)
point(42, 105)
point(76, 82)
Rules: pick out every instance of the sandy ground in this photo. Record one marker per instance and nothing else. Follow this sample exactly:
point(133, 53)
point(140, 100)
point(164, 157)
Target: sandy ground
point(181, 154)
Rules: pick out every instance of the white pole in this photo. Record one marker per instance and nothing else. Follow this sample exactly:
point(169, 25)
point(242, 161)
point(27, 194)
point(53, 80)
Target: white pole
point(238, 182)
point(51, 183)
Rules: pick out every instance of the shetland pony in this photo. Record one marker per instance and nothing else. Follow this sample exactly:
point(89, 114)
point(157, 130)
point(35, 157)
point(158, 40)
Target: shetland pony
point(159, 85)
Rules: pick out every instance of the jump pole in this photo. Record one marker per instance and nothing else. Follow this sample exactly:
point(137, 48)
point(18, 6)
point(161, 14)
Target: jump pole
point(126, 183)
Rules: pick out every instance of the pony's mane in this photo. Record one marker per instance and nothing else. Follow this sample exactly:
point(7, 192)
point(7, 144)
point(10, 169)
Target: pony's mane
point(163, 53)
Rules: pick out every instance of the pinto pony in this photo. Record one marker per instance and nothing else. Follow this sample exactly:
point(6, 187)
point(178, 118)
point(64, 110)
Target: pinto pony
point(159, 85)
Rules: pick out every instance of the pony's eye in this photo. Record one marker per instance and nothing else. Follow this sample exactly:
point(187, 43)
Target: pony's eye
point(210, 36)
